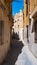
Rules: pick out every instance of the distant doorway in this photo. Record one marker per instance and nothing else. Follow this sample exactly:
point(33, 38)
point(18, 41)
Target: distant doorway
point(35, 28)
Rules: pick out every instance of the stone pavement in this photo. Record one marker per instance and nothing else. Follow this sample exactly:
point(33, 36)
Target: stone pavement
point(20, 55)
point(26, 57)
point(13, 53)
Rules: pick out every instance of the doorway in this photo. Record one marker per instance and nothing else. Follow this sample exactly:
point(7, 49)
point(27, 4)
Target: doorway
point(35, 28)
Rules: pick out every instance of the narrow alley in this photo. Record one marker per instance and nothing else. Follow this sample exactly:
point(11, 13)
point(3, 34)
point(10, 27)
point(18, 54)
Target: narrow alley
point(19, 54)
point(18, 32)
point(14, 52)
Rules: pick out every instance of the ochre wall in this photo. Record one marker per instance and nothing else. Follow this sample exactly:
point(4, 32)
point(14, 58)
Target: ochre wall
point(26, 19)
point(32, 5)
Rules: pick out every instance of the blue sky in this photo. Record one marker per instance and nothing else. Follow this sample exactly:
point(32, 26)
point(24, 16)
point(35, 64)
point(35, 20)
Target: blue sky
point(17, 5)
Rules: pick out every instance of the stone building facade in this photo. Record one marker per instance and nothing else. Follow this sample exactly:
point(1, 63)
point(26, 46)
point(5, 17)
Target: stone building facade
point(18, 24)
point(5, 29)
point(30, 19)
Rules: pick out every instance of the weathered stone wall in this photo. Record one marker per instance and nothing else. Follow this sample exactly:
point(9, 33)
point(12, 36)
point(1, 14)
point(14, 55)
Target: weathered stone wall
point(6, 45)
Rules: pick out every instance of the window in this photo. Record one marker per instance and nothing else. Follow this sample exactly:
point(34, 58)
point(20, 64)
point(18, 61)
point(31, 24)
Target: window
point(23, 16)
point(1, 31)
point(15, 21)
point(18, 19)
point(29, 21)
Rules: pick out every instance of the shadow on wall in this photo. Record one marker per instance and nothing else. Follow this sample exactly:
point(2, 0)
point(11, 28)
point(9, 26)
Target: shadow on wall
point(13, 53)
point(3, 51)
point(15, 36)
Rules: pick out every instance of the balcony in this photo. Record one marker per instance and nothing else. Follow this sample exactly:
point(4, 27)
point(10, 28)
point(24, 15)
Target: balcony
point(8, 1)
